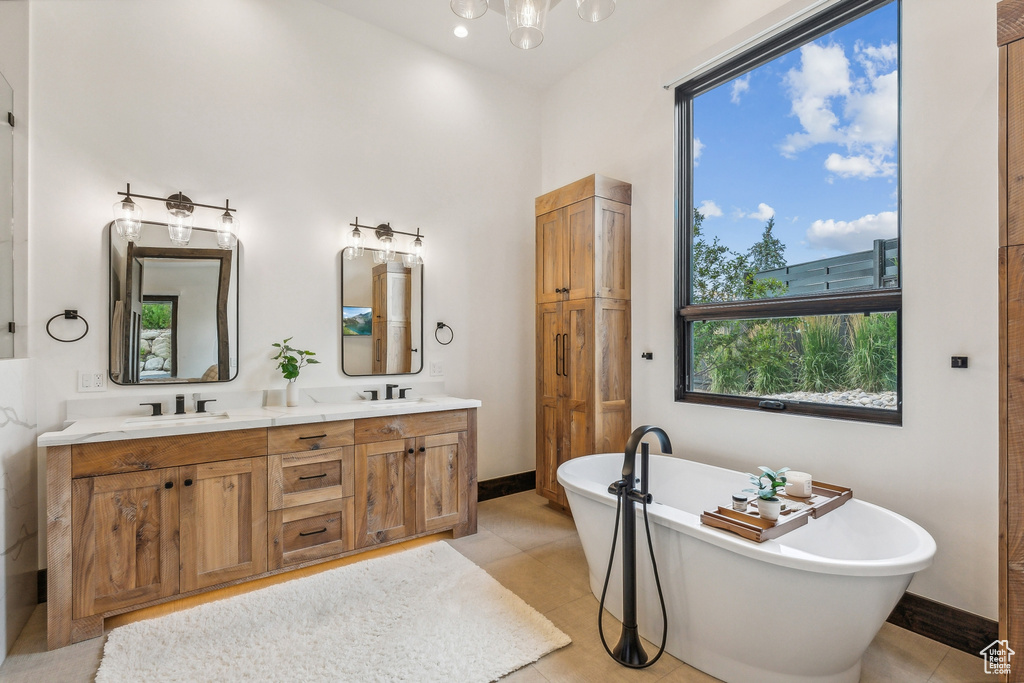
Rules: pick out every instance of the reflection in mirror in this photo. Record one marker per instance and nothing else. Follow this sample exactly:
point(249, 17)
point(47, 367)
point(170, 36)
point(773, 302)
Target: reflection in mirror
point(173, 310)
point(382, 317)
point(6, 222)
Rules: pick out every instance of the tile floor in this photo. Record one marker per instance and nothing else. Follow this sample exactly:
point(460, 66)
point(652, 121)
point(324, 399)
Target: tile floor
point(536, 553)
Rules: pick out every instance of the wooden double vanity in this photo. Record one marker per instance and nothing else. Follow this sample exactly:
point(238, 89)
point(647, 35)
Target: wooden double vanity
point(134, 520)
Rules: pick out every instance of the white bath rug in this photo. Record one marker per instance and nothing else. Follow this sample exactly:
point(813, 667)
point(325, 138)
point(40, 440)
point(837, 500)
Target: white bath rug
point(425, 614)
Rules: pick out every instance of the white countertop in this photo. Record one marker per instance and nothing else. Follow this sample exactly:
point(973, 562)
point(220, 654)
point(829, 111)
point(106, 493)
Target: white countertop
point(121, 427)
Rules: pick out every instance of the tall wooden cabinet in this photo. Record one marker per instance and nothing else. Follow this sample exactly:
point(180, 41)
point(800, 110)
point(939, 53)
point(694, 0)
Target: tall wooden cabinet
point(392, 317)
point(583, 325)
point(1010, 36)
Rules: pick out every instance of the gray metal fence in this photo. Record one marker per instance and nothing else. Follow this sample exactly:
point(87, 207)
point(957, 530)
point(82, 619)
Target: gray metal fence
point(876, 268)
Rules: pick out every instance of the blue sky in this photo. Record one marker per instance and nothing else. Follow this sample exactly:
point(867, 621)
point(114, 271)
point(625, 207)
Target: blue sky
point(809, 138)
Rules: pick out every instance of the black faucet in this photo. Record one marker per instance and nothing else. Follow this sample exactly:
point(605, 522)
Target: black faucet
point(157, 407)
point(629, 650)
point(390, 389)
point(179, 404)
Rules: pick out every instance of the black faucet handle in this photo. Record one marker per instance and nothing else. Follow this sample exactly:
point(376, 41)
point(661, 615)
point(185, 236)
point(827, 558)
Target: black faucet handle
point(201, 404)
point(389, 389)
point(157, 407)
point(401, 392)
point(372, 393)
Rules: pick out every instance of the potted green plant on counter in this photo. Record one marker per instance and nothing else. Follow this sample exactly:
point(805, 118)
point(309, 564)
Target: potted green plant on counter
point(289, 362)
point(768, 484)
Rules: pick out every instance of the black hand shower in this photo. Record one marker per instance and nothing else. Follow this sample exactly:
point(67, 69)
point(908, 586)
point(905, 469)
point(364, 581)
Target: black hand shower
point(629, 651)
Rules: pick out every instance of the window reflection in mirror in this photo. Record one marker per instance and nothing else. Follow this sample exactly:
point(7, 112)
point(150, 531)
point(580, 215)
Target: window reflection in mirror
point(382, 317)
point(6, 221)
point(173, 310)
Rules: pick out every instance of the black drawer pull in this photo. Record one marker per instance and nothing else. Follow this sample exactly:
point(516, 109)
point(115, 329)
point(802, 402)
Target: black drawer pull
point(410, 450)
point(169, 485)
point(422, 449)
point(188, 482)
point(318, 436)
point(314, 476)
point(312, 533)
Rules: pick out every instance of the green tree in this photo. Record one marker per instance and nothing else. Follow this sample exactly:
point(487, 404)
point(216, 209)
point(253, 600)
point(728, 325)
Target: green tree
point(770, 252)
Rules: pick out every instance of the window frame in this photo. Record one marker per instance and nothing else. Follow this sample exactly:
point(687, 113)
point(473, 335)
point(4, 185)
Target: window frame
point(864, 301)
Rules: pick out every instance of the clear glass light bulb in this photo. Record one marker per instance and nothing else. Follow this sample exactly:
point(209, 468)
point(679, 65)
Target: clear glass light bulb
point(469, 9)
point(355, 245)
point(387, 248)
point(595, 10)
point(227, 231)
point(179, 226)
point(128, 219)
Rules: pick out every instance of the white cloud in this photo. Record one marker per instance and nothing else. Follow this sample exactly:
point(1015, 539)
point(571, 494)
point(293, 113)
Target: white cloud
point(856, 235)
point(698, 148)
point(709, 208)
point(739, 86)
point(823, 86)
point(824, 74)
point(859, 166)
point(763, 213)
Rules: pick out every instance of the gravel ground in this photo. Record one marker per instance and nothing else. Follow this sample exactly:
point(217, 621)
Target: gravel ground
point(884, 399)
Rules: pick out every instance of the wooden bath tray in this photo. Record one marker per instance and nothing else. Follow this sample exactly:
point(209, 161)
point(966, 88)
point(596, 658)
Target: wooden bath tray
point(824, 499)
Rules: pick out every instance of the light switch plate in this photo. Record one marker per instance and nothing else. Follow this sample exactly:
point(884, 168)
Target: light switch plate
point(436, 368)
point(91, 381)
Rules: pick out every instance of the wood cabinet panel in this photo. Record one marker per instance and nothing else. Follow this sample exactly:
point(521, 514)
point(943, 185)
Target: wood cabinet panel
point(441, 483)
point(223, 522)
point(393, 427)
point(1014, 144)
point(309, 477)
point(578, 250)
point(611, 278)
point(310, 437)
point(550, 262)
point(385, 483)
point(112, 457)
point(310, 532)
point(592, 186)
point(125, 550)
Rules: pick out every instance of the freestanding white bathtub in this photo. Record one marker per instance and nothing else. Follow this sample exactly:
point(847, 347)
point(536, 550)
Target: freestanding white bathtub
point(798, 609)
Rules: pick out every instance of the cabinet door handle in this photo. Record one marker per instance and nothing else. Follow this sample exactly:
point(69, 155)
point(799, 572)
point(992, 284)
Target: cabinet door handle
point(312, 533)
point(169, 485)
point(422, 449)
point(314, 476)
point(188, 482)
point(378, 350)
point(565, 348)
point(410, 450)
point(558, 344)
point(318, 436)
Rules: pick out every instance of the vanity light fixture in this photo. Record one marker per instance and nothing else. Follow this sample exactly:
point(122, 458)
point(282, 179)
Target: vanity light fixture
point(387, 246)
point(526, 18)
point(128, 218)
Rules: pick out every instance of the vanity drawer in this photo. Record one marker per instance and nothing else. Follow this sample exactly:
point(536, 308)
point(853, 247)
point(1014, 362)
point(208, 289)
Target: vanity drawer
point(310, 532)
point(309, 477)
point(309, 437)
point(374, 429)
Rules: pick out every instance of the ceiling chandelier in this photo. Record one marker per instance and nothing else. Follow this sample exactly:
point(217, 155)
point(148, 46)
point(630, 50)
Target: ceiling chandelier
point(525, 18)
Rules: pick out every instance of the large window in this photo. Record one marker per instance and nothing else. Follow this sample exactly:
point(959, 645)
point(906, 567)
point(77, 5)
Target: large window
point(789, 265)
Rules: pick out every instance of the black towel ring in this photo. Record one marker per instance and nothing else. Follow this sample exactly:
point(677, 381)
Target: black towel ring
point(68, 314)
point(451, 334)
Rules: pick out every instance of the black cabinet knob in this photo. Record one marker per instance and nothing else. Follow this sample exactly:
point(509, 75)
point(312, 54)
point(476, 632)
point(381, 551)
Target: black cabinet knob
point(410, 450)
point(169, 485)
point(422, 449)
point(188, 482)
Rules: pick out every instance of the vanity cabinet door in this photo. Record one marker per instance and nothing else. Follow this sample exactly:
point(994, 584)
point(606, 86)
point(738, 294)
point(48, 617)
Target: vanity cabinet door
point(223, 522)
point(441, 481)
point(124, 548)
point(385, 477)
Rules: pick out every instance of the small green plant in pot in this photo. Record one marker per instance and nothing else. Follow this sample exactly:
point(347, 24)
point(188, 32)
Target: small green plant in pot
point(290, 361)
point(768, 484)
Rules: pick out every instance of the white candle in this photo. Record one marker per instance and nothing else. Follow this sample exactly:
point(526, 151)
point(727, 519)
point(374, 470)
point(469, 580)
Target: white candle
point(798, 484)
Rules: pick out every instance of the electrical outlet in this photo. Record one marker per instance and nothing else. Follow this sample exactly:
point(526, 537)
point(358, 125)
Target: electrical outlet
point(436, 368)
point(91, 381)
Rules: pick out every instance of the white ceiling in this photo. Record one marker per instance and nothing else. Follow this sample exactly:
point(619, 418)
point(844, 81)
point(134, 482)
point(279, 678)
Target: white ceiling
point(568, 40)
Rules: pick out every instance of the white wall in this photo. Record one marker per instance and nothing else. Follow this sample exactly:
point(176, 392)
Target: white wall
point(305, 118)
point(940, 468)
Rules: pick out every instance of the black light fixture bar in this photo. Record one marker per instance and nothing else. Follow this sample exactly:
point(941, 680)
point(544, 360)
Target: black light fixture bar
point(133, 195)
point(386, 227)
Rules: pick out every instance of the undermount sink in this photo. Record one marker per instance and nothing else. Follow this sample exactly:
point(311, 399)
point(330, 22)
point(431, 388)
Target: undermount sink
point(387, 403)
point(186, 419)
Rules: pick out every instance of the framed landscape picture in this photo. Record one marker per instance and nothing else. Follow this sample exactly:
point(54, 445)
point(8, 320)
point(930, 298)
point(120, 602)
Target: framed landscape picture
point(356, 321)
